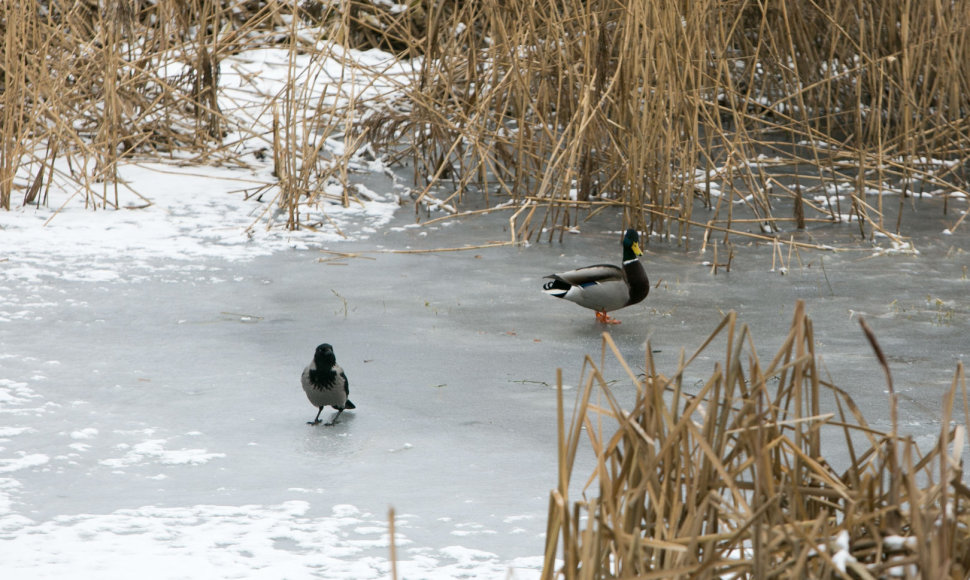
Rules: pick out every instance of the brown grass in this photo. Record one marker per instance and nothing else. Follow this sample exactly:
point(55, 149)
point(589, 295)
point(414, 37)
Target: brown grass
point(94, 85)
point(733, 480)
point(566, 108)
point(652, 105)
point(86, 81)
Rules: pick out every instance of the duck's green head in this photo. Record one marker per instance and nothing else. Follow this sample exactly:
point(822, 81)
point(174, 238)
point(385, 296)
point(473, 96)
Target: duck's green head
point(631, 245)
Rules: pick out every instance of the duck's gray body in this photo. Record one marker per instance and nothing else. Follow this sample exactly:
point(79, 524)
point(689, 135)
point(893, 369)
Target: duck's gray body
point(325, 384)
point(604, 287)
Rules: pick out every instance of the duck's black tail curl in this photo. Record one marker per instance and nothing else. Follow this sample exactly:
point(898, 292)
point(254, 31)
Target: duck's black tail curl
point(556, 286)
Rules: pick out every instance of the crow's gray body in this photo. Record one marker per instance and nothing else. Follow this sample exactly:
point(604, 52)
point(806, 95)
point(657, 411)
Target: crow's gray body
point(325, 384)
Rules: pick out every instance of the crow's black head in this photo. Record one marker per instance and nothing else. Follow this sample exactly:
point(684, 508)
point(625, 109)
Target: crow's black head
point(324, 357)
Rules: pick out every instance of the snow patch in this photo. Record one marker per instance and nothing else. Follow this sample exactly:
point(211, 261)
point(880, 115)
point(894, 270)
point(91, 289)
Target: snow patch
point(87, 433)
point(154, 451)
point(216, 541)
point(23, 461)
point(14, 393)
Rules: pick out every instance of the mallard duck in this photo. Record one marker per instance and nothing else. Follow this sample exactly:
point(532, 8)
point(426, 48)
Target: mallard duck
point(605, 287)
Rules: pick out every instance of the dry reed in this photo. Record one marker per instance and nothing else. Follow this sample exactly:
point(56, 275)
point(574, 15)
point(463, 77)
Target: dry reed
point(795, 111)
point(653, 105)
point(101, 83)
point(92, 82)
point(733, 480)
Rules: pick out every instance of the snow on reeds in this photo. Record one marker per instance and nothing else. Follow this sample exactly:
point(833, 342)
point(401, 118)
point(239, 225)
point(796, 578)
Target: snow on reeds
point(565, 107)
point(653, 105)
point(232, 102)
point(765, 469)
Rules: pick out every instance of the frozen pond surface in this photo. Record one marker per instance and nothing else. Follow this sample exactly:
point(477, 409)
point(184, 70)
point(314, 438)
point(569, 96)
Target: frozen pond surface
point(152, 422)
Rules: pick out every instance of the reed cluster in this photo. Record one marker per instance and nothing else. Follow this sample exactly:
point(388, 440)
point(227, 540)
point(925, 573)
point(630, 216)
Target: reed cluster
point(794, 110)
point(88, 86)
point(98, 82)
point(734, 480)
point(658, 105)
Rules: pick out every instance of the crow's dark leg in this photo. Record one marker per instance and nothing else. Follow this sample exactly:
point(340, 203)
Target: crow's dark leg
point(317, 420)
point(334, 420)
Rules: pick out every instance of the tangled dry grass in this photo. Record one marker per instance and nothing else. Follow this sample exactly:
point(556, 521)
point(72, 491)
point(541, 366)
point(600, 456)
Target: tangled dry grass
point(797, 110)
point(656, 105)
point(734, 480)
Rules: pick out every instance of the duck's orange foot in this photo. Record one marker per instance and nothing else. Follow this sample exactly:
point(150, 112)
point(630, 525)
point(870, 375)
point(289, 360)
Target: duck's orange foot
point(604, 318)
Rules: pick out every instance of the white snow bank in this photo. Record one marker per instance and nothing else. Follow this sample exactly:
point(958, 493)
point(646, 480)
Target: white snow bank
point(215, 541)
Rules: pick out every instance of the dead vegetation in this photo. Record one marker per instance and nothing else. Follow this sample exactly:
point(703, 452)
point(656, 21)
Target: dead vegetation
point(656, 106)
point(96, 83)
point(733, 480)
point(793, 110)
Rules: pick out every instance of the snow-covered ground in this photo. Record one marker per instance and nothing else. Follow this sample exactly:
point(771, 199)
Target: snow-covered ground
point(109, 322)
point(107, 333)
point(140, 437)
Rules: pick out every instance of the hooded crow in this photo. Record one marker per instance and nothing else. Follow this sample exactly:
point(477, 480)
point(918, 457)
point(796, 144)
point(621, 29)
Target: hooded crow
point(325, 383)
